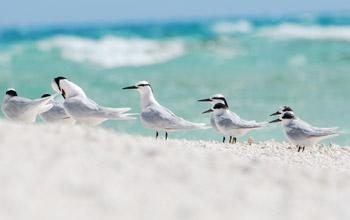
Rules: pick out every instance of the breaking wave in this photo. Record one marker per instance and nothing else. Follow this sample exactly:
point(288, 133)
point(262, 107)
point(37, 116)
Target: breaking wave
point(111, 51)
point(226, 27)
point(310, 32)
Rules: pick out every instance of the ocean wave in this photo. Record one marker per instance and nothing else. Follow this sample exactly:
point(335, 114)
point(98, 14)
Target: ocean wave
point(112, 51)
point(297, 60)
point(226, 47)
point(226, 27)
point(6, 55)
point(310, 32)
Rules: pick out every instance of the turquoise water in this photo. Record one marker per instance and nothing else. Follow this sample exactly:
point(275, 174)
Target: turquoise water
point(259, 64)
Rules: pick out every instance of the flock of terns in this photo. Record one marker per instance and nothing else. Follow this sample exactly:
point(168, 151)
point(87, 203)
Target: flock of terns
point(78, 108)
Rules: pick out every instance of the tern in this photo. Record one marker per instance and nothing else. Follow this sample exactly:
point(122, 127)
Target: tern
point(301, 133)
point(157, 117)
point(217, 98)
point(230, 124)
point(84, 110)
point(22, 109)
point(56, 114)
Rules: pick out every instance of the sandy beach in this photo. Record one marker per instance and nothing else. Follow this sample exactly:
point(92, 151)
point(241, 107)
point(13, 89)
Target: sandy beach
point(73, 172)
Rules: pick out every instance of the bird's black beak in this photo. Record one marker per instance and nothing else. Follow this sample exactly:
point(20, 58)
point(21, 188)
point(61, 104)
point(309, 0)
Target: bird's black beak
point(204, 100)
point(45, 95)
point(277, 120)
point(276, 113)
point(207, 111)
point(130, 87)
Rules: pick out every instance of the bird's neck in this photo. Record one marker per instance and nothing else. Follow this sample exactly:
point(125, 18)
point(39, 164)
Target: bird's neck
point(7, 97)
point(147, 99)
point(288, 122)
point(220, 111)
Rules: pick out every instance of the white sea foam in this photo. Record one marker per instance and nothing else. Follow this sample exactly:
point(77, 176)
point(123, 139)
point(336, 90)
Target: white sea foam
point(113, 51)
point(7, 55)
point(225, 27)
point(310, 32)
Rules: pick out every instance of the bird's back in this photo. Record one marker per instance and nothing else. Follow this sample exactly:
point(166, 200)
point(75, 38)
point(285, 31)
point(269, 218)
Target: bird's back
point(231, 120)
point(19, 108)
point(80, 107)
point(86, 111)
point(301, 132)
point(56, 113)
point(157, 116)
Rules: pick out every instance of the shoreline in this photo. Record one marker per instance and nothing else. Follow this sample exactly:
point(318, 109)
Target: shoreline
point(53, 171)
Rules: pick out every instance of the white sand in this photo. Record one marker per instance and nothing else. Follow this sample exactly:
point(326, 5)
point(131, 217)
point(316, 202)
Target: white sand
point(50, 172)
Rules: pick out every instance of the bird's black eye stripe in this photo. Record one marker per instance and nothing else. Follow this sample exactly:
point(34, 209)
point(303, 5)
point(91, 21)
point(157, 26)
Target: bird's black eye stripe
point(221, 98)
point(144, 84)
point(288, 116)
point(219, 106)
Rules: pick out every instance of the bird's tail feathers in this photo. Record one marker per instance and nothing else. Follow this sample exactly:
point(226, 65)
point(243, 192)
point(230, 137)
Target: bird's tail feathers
point(116, 110)
point(333, 129)
point(258, 125)
point(118, 113)
point(127, 116)
point(43, 104)
point(45, 108)
point(196, 126)
point(262, 124)
point(326, 136)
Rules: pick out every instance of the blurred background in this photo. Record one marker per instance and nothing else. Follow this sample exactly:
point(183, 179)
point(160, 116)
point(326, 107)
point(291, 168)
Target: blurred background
point(260, 55)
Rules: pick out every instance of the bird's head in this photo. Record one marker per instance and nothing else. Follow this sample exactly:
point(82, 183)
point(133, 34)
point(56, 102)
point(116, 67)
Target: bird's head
point(285, 117)
point(11, 92)
point(66, 88)
point(217, 98)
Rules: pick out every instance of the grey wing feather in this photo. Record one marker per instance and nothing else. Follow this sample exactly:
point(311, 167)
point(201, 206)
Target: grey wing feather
point(88, 108)
point(233, 121)
point(299, 127)
point(15, 107)
point(57, 112)
point(184, 124)
point(251, 124)
point(162, 117)
point(22, 105)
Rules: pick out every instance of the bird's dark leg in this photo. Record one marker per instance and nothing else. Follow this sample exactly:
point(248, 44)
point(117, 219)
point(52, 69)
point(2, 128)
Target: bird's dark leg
point(299, 148)
point(303, 148)
point(230, 140)
point(157, 134)
point(223, 139)
point(234, 140)
point(166, 135)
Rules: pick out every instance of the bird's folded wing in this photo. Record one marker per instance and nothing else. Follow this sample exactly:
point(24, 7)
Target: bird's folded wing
point(115, 113)
point(252, 124)
point(311, 131)
point(164, 118)
point(41, 101)
point(85, 107)
point(115, 110)
point(42, 104)
point(317, 132)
